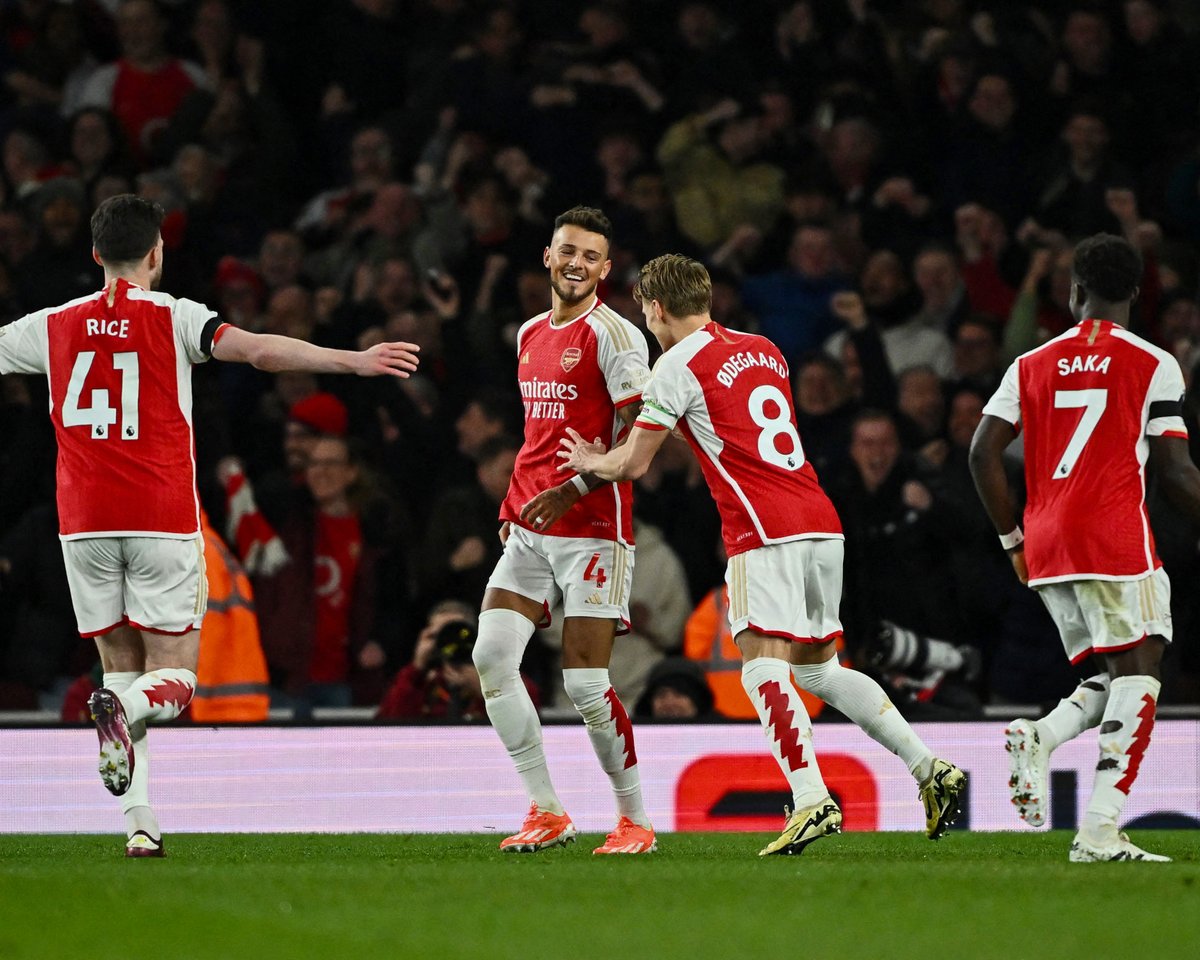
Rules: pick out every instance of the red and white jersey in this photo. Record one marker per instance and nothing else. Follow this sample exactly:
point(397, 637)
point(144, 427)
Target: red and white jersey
point(576, 375)
point(119, 366)
point(730, 395)
point(1087, 401)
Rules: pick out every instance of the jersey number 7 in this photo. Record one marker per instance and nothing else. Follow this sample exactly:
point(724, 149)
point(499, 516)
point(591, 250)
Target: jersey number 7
point(98, 415)
point(1093, 403)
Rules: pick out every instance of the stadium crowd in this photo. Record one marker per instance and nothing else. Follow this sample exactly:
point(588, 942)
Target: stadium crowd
point(888, 190)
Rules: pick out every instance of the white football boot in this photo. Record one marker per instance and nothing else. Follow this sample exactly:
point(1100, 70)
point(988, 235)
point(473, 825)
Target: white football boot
point(1029, 763)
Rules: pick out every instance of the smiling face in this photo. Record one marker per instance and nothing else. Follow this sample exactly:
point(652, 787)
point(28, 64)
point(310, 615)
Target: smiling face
point(577, 260)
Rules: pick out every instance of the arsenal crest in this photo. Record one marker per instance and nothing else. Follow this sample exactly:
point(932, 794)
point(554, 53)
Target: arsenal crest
point(570, 357)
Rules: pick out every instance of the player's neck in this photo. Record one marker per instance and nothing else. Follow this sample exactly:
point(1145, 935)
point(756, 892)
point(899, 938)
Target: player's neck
point(678, 330)
point(1117, 313)
point(562, 313)
point(139, 278)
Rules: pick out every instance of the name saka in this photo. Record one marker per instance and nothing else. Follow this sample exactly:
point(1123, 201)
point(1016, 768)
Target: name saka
point(1092, 364)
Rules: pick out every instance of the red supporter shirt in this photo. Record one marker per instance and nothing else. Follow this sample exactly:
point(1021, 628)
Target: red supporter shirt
point(1086, 402)
point(143, 102)
point(729, 393)
point(119, 366)
point(576, 375)
point(339, 545)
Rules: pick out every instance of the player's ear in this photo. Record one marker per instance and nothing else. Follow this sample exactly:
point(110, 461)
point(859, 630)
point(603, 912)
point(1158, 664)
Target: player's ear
point(96, 257)
point(546, 257)
point(604, 269)
point(1133, 296)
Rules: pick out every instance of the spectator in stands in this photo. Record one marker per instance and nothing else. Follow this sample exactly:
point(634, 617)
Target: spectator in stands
point(977, 359)
point(897, 541)
point(678, 691)
point(717, 177)
point(323, 629)
point(96, 146)
point(461, 546)
point(59, 267)
point(793, 304)
point(1072, 196)
point(369, 164)
point(441, 682)
point(146, 85)
point(988, 159)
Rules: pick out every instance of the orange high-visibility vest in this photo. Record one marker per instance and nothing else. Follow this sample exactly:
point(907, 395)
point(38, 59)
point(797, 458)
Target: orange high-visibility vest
point(707, 640)
point(231, 677)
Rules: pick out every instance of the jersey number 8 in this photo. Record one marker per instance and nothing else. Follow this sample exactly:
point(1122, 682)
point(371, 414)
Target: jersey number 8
point(778, 425)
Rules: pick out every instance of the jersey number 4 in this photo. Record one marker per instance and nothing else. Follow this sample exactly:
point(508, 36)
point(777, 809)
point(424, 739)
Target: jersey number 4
point(594, 571)
point(1093, 403)
point(98, 416)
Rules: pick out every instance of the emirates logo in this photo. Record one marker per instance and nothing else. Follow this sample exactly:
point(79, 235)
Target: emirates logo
point(570, 357)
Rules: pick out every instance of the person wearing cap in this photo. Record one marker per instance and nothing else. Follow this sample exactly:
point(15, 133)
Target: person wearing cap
point(677, 690)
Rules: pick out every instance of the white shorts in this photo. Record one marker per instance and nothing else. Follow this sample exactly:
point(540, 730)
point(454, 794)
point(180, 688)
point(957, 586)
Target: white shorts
point(151, 583)
point(591, 577)
point(790, 590)
point(1108, 616)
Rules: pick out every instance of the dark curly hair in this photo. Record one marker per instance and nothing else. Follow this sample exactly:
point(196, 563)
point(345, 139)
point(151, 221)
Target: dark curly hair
point(1108, 267)
point(589, 218)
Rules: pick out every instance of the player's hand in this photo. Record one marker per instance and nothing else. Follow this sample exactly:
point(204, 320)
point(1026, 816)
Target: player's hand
point(848, 307)
point(549, 506)
point(505, 530)
point(1017, 557)
point(423, 651)
point(916, 496)
point(390, 359)
point(578, 453)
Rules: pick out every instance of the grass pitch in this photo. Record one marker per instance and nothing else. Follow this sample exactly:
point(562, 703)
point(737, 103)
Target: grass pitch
point(886, 895)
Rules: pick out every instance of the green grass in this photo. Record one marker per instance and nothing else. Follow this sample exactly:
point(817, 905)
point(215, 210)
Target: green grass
point(886, 895)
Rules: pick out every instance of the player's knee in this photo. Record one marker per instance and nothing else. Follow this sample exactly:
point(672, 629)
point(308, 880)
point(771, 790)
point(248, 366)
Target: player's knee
point(817, 678)
point(495, 659)
point(503, 635)
point(586, 687)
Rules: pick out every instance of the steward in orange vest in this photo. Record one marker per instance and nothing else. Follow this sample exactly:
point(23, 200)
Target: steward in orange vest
point(231, 676)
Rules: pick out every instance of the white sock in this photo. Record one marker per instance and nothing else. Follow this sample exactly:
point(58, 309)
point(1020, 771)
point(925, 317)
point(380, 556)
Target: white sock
point(863, 701)
point(611, 734)
point(768, 684)
point(503, 636)
point(135, 802)
point(1124, 736)
point(1080, 711)
point(160, 695)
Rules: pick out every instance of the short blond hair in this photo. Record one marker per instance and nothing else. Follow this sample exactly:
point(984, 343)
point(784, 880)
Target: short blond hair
point(682, 285)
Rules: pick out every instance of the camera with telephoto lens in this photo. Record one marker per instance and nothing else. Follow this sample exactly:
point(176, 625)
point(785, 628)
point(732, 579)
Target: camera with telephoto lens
point(454, 643)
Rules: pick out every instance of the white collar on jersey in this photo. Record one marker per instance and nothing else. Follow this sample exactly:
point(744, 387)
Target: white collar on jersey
point(583, 316)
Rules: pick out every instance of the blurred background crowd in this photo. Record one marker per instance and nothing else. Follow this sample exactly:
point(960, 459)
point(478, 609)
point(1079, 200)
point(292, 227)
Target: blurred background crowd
point(888, 189)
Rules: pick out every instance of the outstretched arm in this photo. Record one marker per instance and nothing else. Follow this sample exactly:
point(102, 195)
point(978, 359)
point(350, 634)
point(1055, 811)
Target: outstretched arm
point(627, 462)
point(275, 353)
point(991, 438)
